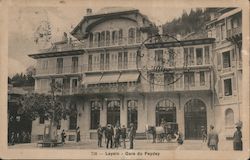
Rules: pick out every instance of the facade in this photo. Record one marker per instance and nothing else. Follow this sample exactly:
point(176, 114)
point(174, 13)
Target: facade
point(106, 81)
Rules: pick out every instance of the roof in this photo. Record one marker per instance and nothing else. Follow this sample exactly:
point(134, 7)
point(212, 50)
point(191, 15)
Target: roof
point(195, 35)
point(108, 10)
point(230, 13)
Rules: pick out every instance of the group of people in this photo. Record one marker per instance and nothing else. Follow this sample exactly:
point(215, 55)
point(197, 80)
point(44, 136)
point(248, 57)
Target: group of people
point(23, 137)
point(213, 138)
point(113, 135)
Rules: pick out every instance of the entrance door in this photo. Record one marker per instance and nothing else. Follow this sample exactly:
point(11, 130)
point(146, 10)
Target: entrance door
point(195, 118)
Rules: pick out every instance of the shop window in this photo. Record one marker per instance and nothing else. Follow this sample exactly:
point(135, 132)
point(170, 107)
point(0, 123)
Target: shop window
point(226, 59)
point(95, 114)
point(199, 56)
point(132, 112)
point(165, 112)
point(229, 117)
point(228, 87)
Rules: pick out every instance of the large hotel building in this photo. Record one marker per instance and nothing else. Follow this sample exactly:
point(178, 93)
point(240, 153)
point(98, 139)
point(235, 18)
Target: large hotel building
point(108, 74)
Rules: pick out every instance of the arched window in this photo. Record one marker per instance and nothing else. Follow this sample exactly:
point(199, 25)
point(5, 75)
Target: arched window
point(95, 114)
point(131, 36)
point(102, 38)
point(165, 110)
point(120, 36)
point(91, 40)
point(107, 38)
point(132, 112)
point(113, 112)
point(229, 117)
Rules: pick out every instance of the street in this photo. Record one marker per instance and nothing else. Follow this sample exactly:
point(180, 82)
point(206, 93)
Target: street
point(138, 144)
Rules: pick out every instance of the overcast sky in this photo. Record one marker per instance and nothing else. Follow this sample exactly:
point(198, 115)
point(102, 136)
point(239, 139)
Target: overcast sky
point(23, 22)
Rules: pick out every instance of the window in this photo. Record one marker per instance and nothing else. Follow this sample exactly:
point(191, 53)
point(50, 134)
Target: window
point(97, 39)
point(199, 56)
point(125, 60)
point(74, 85)
point(120, 36)
point(138, 35)
point(235, 22)
point(95, 114)
point(132, 112)
point(151, 80)
point(120, 60)
point(207, 57)
point(191, 56)
point(159, 57)
point(171, 57)
point(107, 38)
point(223, 31)
point(131, 36)
point(185, 56)
point(226, 59)
point(165, 111)
point(209, 34)
point(74, 64)
point(102, 62)
point(229, 117)
point(73, 118)
point(189, 80)
point(59, 65)
point(114, 37)
point(90, 63)
point(113, 112)
point(228, 87)
point(45, 64)
point(102, 38)
point(168, 81)
point(202, 78)
point(107, 61)
point(41, 119)
point(91, 40)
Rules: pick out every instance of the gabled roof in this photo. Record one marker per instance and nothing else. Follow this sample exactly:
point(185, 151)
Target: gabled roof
point(89, 21)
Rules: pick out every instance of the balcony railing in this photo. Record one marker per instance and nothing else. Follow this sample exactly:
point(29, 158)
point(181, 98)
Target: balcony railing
point(60, 70)
point(64, 91)
point(234, 31)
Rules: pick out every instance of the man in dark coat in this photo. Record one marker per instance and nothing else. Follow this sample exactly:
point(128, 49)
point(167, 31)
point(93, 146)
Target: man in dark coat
point(123, 133)
point(63, 136)
point(132, 132)
point(213, 139)
point(109, 135)
point(78, 134)
point(99, 135)
point(237, 142)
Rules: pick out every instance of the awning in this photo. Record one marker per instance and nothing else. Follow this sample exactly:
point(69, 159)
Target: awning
point(230, 13)
point(129, 77)
point(110, 78)
point(92, 79)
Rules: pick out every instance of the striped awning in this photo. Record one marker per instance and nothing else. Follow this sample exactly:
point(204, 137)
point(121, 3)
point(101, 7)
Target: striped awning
point(129, 77)
point(110, 78)
point(92, 79)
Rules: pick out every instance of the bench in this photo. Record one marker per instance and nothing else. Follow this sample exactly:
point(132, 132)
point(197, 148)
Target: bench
point(49, 144)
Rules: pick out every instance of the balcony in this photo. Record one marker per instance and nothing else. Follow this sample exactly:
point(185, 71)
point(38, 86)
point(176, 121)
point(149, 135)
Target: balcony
point(65, 46)
point(113, 43)
point(113, 88)
point(64, 91)
point(234, 33)
point(70, 70)
point(97, 67)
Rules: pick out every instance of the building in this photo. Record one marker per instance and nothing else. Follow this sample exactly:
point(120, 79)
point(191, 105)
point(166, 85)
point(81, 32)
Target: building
point(106, 81)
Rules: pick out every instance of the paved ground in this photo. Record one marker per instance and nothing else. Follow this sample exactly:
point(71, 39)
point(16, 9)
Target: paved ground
point(139, 144)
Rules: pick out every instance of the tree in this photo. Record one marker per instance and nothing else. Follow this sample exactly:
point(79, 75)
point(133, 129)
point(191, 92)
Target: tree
point(51, 107)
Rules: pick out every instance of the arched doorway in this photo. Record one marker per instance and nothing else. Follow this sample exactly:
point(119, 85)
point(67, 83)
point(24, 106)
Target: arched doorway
point(165, 109)
point(195, 117)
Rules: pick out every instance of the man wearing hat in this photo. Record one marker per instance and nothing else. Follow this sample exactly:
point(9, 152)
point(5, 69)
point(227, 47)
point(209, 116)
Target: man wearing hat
point(213, 139)
point(131, 136)
point(237, 142)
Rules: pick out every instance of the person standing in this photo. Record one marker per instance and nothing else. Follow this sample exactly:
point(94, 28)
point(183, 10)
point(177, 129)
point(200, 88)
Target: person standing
point(123, 133)
point(99, 135)
point(63, 136)
point(117, 136)
point(237, 142)
point(203, 134)
point(78, 134)
point(109, 134)
point(132, 132)
point(213, 139)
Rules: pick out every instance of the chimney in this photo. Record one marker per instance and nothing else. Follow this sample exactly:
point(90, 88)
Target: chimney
point(89, 11)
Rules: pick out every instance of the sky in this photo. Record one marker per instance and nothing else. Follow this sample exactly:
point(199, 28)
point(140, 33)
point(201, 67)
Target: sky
point(24, 21)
